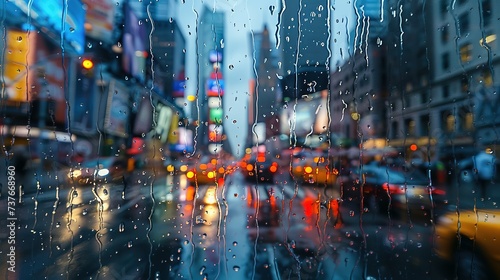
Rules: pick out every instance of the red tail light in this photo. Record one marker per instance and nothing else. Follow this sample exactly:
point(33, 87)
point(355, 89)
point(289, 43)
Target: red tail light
point(394, 189)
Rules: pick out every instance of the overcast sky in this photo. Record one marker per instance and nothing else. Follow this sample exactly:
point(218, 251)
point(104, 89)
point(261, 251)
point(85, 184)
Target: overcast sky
point(243, 18)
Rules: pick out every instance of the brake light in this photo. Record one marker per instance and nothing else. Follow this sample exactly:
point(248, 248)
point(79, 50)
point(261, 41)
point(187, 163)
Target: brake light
point(308, 169)
point(249, 167)
point(393, 188)
point(190, 174)
point(273, 168)
point(221, 170)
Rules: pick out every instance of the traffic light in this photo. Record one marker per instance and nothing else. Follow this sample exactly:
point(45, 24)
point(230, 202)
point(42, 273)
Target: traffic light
point(413, 147)
point(87, 67)
point(87, 64)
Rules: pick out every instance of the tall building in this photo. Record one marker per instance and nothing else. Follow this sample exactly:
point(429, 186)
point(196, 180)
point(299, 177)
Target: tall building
point(264, 90)
point(305, 48)
point(208, 111)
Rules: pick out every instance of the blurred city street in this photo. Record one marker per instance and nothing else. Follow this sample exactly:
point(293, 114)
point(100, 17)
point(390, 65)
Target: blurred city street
point(157, 224)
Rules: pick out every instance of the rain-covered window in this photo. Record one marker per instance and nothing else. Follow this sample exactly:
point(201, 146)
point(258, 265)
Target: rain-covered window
point(249, 139)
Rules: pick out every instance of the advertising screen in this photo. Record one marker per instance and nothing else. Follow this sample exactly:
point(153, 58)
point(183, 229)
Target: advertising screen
point(215, 87)
point(134, 46)
point(47, 14)
point(216, 115)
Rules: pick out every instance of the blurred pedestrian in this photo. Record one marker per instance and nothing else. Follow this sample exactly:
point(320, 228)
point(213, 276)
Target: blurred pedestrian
point(484, 165)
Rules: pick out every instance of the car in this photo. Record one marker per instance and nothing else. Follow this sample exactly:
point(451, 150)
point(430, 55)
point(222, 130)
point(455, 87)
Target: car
point(259, 168)
point(314, 168)
point(99, 170)
point(206, 171)
point(396, 190)
point(467, 242)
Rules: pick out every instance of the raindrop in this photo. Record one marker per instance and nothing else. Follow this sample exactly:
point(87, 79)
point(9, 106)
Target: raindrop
point(202, 270)
point(351, 213)
point(105, 191)
point(129, 244)
point(236, 268)
point(231, 67)
point(235, 243)
point(121, 227)
point(234, 121)
point(75, 194)
point(85, 212)
point(19, 38)
point(58, 224)
point(271, 9)
point(320, 8)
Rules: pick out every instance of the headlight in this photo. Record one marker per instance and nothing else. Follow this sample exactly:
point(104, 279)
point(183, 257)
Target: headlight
point(74, 173)
point(103, 172)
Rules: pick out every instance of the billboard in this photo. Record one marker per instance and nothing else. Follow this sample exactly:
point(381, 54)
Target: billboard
point(47, 14)
point(214, 133)
point(215, 56)
point(100, 19)
point(134, 45)
point(215, 87)
point(216, 116)
point(118, 110)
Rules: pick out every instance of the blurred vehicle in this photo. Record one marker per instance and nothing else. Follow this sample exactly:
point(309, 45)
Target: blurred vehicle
point(396, 190)
point(259, 168)
point(314, 168)
point(467, 241)
point(206, 171)
point(99, 170)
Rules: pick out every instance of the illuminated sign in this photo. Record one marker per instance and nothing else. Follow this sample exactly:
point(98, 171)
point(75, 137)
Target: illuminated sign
point(215, 87)
point(216, 115)
point(48, 13)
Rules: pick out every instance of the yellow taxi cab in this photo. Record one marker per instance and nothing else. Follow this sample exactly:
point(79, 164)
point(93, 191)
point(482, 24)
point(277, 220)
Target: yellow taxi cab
point(470, 242)
point(314, 169)
point(208, 171)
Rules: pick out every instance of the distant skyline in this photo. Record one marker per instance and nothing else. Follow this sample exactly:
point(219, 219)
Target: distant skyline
point(243, 18)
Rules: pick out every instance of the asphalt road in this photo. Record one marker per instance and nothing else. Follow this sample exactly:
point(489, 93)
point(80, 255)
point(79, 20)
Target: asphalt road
point(160, 227)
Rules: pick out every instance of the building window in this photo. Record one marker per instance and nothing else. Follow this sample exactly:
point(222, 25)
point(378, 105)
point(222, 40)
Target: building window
point(410, 127)
point(443, 6)
point(445, 34)
point(395, 128)
point(466, 119)
point(424, 97)
point(486, 12)
point(448, 122)
point(489, 41)
point(445, 61)
point(445, 91)
point(424, 125)
point(466, 53)
point(464, 84)
point(486, 78)
point(463, 23)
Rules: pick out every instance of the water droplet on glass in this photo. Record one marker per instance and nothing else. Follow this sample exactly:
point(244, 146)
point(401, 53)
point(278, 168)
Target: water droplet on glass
point(271, 9)
point(235, 243)
point(202, 270)
point(236, 268)
point(121, 227)
point(231, 67)
point(19, 38)
point(105, 191)
point(129, 244)
point(85, 212)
